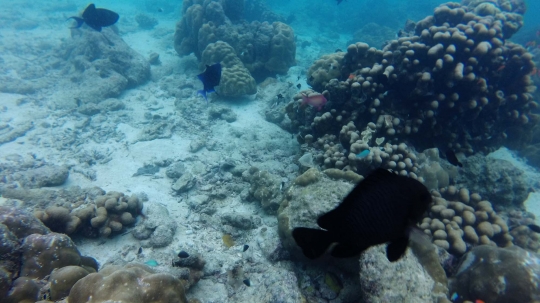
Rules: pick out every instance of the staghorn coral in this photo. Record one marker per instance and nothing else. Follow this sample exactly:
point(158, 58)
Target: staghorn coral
point(455, 82)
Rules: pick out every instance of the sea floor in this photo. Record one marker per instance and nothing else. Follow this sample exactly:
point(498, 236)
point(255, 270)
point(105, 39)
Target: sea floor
point(250, 140)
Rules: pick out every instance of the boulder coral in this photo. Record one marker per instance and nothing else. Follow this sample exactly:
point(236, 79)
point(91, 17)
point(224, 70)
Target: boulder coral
point(104, 215)
point(235, 78)
point(264, 48)
point(497, 275)
point(463, 221)
point(132, 283)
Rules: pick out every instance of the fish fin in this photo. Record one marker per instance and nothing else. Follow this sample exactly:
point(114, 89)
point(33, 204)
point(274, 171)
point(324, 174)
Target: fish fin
point(202, 92)
point(79, 20)
point(534, 228)
point(313, 242)
point(396, 249)
point(89, 11)
point(343, 250)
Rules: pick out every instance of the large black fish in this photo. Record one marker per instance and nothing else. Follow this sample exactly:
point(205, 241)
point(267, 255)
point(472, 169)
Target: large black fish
point(210, 79)
point(96, 18)
point(381, 208)
point(451, 157)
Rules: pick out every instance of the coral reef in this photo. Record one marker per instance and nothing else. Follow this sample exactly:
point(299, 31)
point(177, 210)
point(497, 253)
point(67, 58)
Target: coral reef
point(132, 283)
point(463, 220)
point(454, 83)
point(264, 188)
point(235, 78)
point(100, 65)
point(264, 48)
point(512, 272)
point(145, 21)
point(90, 212)
point(25, 268)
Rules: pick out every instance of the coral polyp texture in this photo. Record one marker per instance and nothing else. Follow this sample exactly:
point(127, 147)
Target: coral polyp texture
point(133, 283)
point(263, 48)
point(454, 82)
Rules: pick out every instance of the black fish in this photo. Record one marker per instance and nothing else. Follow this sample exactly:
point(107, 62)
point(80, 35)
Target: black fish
point(534, 228)
point(247, 282)
point(298, 78)
point(382, 79)
point(299, 85)
point(210, 79)
point(183, 254)
point(280, 96)
point(246, 247)
point(96, 18)
point(451, 157)
point(139, 251)
point(381, 208)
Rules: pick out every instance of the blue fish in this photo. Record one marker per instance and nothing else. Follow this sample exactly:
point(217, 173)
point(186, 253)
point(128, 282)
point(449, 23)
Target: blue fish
point(151, 263)
point(362, 154)
point(210, 78)
point(96, 18)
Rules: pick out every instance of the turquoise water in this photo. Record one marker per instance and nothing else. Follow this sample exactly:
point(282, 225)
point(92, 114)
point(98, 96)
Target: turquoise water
point(112, 163)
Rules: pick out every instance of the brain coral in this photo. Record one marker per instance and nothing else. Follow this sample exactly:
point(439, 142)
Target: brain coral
point(133, 283)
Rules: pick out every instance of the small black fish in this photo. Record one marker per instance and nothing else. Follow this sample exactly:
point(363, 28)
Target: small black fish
point(451, 157)
point(183, 254)
point(210, 79)
point(280, 96)
point(96, 18)
point(299, 85)
point(534, 228)
point(247, 282)
point(381, 208)
point(246, 247)
point(298, 78)
point(139, 251)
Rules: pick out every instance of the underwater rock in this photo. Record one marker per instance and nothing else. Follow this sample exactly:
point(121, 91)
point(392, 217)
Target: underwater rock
point(175, 170)
point(496, 180)
point(184, 183)
point(497, 275)
point(401, 281)
point(158, 229)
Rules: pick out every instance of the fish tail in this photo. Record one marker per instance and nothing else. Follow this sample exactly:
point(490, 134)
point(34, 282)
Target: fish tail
point(314, 242)
point(79, 20)
point(202, 92)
